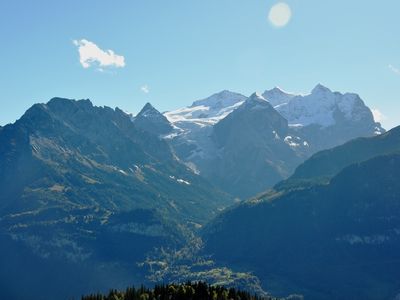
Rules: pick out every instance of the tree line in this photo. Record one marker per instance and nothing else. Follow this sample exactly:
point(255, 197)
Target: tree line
point(185, 291)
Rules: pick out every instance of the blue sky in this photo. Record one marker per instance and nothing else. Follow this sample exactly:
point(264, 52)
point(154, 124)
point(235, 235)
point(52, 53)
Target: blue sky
point(185, 50)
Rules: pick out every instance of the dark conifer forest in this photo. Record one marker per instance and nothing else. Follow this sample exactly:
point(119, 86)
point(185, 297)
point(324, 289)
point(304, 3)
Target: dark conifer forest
point(186, 291)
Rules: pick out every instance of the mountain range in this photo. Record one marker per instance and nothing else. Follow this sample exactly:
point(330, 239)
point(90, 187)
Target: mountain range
point(93, 191)
point(246, 145)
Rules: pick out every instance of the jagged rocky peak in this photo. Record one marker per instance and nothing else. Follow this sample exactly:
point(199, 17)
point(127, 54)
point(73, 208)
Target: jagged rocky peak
point(64, 105)
point(65, 101)
point(148, 110)
point(41, 113)
point(151, 120)
point(83, 110)
point(222, 99)
point(72, 108)
point(320, 89)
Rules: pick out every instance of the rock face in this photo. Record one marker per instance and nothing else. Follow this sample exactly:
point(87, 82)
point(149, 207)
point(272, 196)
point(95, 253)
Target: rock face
point(252, 152)
point(83, 187)
point(322, 228)
point(247, 152)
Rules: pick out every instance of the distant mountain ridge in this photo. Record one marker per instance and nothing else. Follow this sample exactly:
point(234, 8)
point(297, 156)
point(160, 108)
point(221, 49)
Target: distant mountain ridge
point(317, 121)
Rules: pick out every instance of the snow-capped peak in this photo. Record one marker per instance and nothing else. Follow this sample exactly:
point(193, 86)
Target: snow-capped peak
point(222, 99)
point(321, 107)
point(279, 91)
point(207, 111)
point(256, 97)
point(148, 110)
point(277, 96)
point(194, 123)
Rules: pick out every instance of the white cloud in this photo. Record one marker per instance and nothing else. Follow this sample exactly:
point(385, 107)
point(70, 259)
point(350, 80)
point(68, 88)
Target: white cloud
point(90, 54)
point(145, 89)
point(394, 69)
point(378, 115)
point(280, 14)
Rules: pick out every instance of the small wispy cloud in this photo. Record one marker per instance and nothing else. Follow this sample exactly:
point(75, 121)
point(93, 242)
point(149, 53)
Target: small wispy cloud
point(378, 115)
point(92, 55)
point(145, 89)
point(394, 69)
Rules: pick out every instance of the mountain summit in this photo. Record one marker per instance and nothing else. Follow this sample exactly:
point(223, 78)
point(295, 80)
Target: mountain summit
point(148, 110)
point(277, 96)
point(320, 89)
point(151, 120)
point(220, 100)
